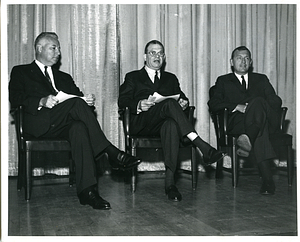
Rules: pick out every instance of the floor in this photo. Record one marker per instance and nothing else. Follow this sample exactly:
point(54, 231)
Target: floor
point(214, 209)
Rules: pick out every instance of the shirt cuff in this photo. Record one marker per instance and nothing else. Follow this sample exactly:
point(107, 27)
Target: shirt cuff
point(139, 109)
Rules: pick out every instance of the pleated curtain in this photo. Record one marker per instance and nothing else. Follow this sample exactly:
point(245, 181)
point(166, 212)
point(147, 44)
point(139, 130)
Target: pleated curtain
point(101, 43)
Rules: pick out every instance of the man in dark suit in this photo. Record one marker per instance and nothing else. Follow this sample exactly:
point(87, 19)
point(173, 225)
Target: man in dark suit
point(165, 118)
point(38, 87)
point(255, 111)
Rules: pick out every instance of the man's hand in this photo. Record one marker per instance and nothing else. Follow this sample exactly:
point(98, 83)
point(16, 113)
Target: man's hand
point(145, 105)
point(241, 108)
point(183, 103)
point(48, 102)
point(90, 99)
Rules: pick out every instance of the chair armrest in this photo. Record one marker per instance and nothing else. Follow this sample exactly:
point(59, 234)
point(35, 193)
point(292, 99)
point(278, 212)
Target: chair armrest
point(18, 116)
point(282, 119)
point(190, 113)
point(125, 117)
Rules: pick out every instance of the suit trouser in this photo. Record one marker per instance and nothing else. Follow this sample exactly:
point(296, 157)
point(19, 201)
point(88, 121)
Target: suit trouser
point(260, 115)
point(167, 120)
point(75, 121)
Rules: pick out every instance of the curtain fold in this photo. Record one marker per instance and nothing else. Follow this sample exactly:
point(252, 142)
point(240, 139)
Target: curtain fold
point(100, 43)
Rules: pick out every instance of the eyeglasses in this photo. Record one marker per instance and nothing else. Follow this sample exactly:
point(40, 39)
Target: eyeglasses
point(153, 53)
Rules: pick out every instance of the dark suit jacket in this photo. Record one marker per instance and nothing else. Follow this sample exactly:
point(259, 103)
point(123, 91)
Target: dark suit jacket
point(28, 85)
point(138, 86)
point(229, 92)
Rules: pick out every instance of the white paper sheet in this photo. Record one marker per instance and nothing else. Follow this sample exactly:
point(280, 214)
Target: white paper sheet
point(157, 98)
point(62, 96)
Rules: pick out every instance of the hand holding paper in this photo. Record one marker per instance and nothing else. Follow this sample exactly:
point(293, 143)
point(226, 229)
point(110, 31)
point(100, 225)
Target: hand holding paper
point(62, 96)
point(157, 98)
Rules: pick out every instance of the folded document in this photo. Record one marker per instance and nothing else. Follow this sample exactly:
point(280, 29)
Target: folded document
point(62, 96)
point(157, 98)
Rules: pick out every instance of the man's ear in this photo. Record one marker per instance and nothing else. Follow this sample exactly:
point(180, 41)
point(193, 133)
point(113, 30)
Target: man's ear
point(231, 63)
point(39, 48)
point(145, 57)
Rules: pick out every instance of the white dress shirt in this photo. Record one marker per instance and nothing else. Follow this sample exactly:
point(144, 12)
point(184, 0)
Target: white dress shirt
point(49, 70)
point(151, 73)
point(240, 78)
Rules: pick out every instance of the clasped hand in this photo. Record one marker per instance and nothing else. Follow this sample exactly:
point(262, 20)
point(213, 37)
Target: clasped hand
point(49, 101)
point(183, 103)
point(241, 107)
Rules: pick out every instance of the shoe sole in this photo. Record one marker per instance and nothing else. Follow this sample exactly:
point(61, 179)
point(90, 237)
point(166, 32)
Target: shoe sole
point(242, 153)
point(106, 208)
point(243, 141)
point(266, 193)
point(209, 163)
point(127, 168)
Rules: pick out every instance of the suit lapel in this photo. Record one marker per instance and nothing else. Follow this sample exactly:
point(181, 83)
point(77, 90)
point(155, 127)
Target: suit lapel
point(250, 81)
point(39, 76)
point(145, 78)
point(237, 82)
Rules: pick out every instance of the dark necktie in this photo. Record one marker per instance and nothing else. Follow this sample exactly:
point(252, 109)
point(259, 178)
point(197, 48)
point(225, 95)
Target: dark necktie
point(243, 83)
point(47, 75)
point(49, 79)
point(156, 79)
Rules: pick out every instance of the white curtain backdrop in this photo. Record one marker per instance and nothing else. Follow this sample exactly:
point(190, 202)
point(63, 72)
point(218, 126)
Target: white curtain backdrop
point(101, 43)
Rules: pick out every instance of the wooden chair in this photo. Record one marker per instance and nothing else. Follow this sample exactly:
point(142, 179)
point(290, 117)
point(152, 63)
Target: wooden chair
point(281, 142)
point(134, 142)
point(28, 144)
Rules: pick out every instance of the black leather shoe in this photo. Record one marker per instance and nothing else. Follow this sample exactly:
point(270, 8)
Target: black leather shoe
point(173, 193)
point(125, 161)
point(267, 188)
point(91, 197)
point(213, 156)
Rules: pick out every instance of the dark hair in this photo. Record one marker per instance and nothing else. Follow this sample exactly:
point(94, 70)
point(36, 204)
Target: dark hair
point(155, 42)
point(239, 49)
point(44, 35)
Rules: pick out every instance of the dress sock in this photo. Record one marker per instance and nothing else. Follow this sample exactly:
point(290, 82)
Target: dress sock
point(112, 152)
point(202, 145)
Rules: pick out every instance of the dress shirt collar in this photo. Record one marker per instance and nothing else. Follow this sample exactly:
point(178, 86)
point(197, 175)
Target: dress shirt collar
point(240, 78)
point(49, 70)
point(151, 73)
point(42, 67)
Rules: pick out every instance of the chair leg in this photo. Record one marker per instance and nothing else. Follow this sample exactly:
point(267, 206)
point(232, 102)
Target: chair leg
point(133, 180)
point(194, 168)
point(290, 165)
point(234, 164)
point(133, 173)
point(21, 170)
point(28, 176)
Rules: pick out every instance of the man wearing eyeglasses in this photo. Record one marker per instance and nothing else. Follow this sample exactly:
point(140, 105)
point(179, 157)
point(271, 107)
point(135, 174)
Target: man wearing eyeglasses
point(166, 118)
